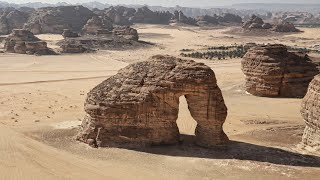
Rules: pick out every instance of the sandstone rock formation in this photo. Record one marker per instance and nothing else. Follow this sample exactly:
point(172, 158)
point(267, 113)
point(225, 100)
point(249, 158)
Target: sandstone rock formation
point(67, 33)
point(180, 18)
point(24, 42)
point(230, 18)
point(12, 19)
point(119, 15)
point(139, 105)
point(310, 111)
point(272, 71)
point(254, 23)
point(56, 19)
point(285, 27)
point(145, 15)
point(127, 32)
point(96, 23)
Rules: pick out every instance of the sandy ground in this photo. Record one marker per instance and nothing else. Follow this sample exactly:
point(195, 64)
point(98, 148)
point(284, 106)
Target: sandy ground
point(41, 106)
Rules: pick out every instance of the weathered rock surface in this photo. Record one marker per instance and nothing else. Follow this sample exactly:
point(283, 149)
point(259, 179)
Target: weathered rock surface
point(56, 19)
point(254, 23)
point(310, 111)
point(12, 19)
point(24, 42)
point(285, 27)
point(145, 15)
point(272, 71)
point(96, 23)
point(126, 32)
point(120, 15)
point(67, 33)
point(180, 18)
point(139, 105)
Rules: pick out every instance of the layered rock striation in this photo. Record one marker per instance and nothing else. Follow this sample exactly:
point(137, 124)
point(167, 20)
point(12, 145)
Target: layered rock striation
point(310, 111)
point(272, 71)
point(139, 105)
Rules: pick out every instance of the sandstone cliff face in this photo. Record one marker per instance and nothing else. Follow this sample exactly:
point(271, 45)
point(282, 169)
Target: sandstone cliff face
point(24, 42)
point(272, 71)
point(139, 105)
point(12, 19)
point(310, 111)
point(56, 19)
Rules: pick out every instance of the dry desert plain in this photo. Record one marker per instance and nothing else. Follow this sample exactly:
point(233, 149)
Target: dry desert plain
point(41, 107)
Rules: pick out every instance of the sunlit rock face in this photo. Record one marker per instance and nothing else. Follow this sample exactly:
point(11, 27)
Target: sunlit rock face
point(140, 105)
point(310, 111)
point(24, 42)
point(272, 71)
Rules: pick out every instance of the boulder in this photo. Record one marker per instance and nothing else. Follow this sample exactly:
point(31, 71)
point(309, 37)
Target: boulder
point(24, 42)
point(230, 18)
point(139, 106)
point(310, 111)
point(272, 71)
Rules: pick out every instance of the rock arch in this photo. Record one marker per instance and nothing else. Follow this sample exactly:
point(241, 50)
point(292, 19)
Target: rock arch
point(139, 105)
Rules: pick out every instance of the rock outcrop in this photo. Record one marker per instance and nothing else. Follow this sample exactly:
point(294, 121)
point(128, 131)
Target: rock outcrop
point(145, 15)
point(254, 23)
point(10, 20)
point(55, 19)
point(67, 33)
point(285, 27)
point(96, 23)
point(272, 71)
point(126, 32)
point(139, 105)
point(24, 42)
point(119, 15)
point(180, 18)
point(310, 111)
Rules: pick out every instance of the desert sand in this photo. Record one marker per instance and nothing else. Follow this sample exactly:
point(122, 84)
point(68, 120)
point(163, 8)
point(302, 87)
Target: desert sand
point(41, 107)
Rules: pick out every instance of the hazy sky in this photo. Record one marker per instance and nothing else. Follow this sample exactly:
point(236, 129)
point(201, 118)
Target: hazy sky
point(173, 2)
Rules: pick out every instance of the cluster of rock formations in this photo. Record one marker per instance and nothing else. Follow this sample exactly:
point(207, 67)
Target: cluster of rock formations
point(55, 19)
point(140, 104)
point(206, 20)
point(80, 19)
point(272, 71)
point(257, 23)
point(24, 42)
point(145, 15)
point(120, 37)
point(310, 111)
